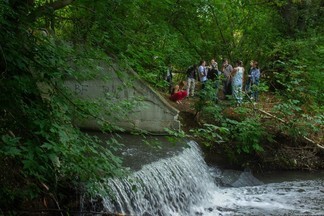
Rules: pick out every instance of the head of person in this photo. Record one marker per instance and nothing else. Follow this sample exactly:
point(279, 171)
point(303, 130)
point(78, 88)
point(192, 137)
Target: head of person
point(202, 62)
point(239, 63)
point(255, 64)
point(182, 84)
point(213, 63)
point(225, 62)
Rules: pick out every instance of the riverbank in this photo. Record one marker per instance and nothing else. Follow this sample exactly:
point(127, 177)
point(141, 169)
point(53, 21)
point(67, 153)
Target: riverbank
point(281, 150)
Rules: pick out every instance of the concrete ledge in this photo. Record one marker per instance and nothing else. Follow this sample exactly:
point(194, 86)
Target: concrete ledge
point(152, 114)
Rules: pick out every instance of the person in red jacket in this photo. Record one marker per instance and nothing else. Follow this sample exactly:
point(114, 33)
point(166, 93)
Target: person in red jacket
point(178, 94)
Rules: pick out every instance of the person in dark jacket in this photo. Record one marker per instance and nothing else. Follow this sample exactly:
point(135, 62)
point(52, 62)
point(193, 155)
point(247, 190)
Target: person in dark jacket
point(191, 80)
point(227, 70)
point(213, 76)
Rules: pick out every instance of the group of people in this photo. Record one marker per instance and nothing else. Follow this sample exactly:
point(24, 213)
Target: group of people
point(233, 80)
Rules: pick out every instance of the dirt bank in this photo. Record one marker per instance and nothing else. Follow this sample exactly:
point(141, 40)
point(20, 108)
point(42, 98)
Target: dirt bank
point(282, 152)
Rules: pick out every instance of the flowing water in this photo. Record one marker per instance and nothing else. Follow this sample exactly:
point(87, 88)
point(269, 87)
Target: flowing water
point(181, 183)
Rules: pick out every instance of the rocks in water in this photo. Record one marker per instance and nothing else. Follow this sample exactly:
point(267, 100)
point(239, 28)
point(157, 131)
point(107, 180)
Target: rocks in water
point(234, 178)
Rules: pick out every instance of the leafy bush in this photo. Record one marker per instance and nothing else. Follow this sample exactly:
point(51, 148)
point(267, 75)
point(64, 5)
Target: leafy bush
point(250, 135)
point(36, 121)
point(211, 134)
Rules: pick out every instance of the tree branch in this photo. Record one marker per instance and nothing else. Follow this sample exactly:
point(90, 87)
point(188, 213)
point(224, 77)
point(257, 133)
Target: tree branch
point(56, 5)
point(283, 121)
point(52, 6)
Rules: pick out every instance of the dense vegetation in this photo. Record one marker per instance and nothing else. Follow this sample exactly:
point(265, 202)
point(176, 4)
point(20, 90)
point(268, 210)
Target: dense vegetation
point(43, 40)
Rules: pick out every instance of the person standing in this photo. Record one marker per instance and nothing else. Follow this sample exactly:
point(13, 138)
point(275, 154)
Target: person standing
point(202, 73)
point(227, 70)
point(168, 77)
point(191, 80)
point(248, 81)
point(212, 70)
point(237, 82)
point(255, 78)
point(213, 75)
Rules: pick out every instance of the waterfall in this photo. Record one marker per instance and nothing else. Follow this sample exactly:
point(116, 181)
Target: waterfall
point(166, 187)
point(183, 184)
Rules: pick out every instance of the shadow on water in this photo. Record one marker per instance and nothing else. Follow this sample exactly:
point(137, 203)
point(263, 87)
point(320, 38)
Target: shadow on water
point(283, 176)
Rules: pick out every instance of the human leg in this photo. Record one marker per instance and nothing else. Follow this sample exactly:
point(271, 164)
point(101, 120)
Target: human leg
point(255, 92)
point(248, 85)
point(234, 91)
point(216, 89)
point(240, 93)
point(188, 85)
point(193, 84)
point(224, 87)
point(169, 80)
point(203, 84)
point(237, 92)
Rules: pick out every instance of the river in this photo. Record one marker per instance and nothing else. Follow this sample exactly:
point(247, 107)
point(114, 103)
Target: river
point(173, 179)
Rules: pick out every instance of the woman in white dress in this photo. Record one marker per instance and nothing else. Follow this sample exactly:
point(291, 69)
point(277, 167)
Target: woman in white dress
point(237, 82)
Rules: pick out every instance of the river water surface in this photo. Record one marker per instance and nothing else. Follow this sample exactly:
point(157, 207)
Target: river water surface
point(173, 179)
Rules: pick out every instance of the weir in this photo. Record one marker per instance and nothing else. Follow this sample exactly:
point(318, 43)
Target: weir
point(148, 111)
point(183, 184)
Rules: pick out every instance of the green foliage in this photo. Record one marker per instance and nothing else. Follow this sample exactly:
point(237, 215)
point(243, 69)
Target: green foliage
point(249, 134)
point(36, 111)
point(36, 122)
point(295, 122)
point(207, 97)
point(211, 134)
point(297, 74)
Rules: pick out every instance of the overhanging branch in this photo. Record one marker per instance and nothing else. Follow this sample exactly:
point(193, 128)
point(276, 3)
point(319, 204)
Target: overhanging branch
point(56, 5)
point(52, 6)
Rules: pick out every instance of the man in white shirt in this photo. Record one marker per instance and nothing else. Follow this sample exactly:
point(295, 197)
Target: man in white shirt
point(202, 73)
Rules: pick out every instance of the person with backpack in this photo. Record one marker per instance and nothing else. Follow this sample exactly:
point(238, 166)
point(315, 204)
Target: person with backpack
point(212, 70)
point(213, 76)
point(191, 80)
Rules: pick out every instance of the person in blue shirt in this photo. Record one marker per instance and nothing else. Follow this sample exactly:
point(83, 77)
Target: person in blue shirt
point(255, 79)
point(248, 81)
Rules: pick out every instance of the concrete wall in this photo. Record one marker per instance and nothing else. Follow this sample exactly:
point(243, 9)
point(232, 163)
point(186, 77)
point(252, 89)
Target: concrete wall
point(152, 114)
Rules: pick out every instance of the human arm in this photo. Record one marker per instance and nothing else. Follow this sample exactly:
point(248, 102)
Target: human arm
point(201, 71)
point(233, 71)
point(176, 89)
